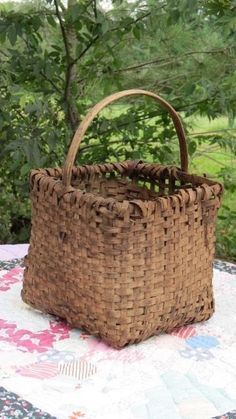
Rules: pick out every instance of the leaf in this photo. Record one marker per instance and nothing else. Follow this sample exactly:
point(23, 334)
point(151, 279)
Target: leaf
point(23, 100)
point(137, 33)
point(105, 26)
point(51, 21)
point(190, 88)
point(107, 83)
point(12, 34)
point(79, 48)
point(36, 22)
point(36, 153)
point(56, 47)
point(2, 35)
point(78, 24)
point(167, 149)
point(192, 147)
point(32, 152)
point(74, 12)
point(25, 169)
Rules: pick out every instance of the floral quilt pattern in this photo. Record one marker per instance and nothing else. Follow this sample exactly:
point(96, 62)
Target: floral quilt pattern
point(49, 370)
point(12, 406)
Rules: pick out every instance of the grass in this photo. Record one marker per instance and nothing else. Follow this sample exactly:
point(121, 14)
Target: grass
point(210, 158)
point(210, 161)
point(202, 123)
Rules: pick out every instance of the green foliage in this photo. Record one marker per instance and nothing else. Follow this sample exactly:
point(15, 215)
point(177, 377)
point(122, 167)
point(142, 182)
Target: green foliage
point(226, 233)
point(226, 225)
point(57, 60)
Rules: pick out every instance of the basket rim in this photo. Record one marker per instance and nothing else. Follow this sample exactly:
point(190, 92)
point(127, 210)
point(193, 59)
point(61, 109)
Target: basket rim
point(49, 180)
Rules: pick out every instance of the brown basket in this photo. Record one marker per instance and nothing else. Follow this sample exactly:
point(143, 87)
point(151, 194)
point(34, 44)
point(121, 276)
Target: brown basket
point(123, 250)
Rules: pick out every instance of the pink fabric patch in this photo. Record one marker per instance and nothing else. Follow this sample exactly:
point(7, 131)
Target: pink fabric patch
point(40, 370)
point(184, 332)
point(10, 278)
point(33, 341)
point(96, 346)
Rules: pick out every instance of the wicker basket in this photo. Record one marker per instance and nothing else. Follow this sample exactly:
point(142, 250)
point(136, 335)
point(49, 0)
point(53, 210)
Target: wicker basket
point(123, 250)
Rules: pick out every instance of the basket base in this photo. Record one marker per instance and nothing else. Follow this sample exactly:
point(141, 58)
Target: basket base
point(114, 337)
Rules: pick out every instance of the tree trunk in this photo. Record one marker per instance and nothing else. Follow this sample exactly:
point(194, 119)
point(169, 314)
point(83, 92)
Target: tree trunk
point(71, 89)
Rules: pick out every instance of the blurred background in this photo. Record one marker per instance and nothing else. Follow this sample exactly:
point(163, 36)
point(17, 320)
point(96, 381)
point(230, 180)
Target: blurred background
point(58, 58)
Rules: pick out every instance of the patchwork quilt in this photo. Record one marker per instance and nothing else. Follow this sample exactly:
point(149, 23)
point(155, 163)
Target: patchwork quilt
point(48, 370)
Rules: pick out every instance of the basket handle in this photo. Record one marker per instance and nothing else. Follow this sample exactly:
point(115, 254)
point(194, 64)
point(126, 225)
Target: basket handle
point(79, 134)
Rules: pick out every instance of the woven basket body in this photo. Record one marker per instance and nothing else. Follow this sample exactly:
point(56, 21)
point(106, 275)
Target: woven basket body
point(123, 250)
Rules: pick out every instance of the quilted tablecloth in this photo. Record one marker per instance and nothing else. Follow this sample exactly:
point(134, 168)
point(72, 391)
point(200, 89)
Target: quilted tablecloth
point(48, 370)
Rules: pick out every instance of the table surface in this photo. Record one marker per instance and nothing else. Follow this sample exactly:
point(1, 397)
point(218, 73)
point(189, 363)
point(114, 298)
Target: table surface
point(48, 370)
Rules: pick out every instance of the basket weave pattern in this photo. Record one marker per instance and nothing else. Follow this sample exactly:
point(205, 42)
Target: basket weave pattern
point(124, 250)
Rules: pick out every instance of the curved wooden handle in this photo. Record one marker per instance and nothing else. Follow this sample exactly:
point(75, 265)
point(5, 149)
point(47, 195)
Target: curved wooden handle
point(70, 159)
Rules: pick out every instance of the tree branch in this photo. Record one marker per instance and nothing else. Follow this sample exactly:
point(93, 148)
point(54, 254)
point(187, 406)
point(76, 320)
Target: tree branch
point(87, 147)
point(211, 158)
point(67, 51)
point(95, 9)
point(70, 70)
point(135, 67)
point(50, 81)
point(197, 102)
point(125, 124)
point(85, 50)
point(131, 23)
point(111, 30)
point(177, 76)
point(205, 133)
point(63, 31)
point(166, 60)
